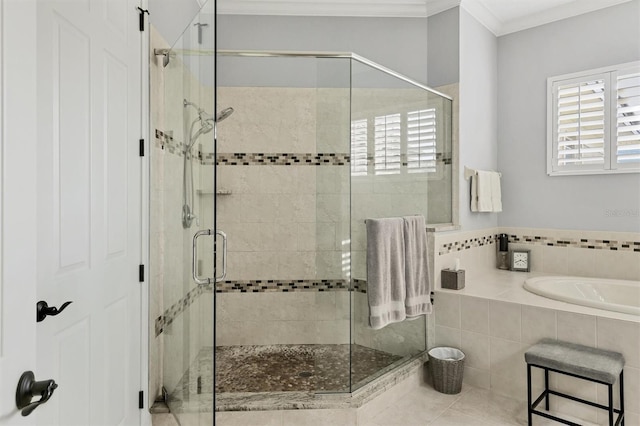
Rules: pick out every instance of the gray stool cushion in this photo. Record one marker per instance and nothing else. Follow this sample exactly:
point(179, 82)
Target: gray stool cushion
point(585, 361)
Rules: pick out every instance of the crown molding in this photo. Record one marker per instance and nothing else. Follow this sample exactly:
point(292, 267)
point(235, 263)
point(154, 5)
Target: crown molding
point(567, 10)
point(411, 8)
point(478, 10)
point(364, 8)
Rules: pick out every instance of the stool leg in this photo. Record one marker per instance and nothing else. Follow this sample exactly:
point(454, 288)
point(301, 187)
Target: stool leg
point(546, 389)
point(529, 395)
point(610, 404)
point(622, 398)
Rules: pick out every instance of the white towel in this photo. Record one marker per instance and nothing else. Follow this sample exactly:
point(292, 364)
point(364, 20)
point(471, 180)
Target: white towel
point(386, 290)
point(483, 179)
point(416, 271)
point(486, 194)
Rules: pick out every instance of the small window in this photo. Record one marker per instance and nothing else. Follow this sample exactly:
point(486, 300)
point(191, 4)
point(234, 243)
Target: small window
point(359, 156)
point(387, 159)
point(594, 121)
point(421, 141)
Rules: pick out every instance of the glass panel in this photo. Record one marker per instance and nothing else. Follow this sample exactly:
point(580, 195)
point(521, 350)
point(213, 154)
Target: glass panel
point(315, 147)
point(332, 233)
point(182, 204)
point(283, 310)
point(406, 133)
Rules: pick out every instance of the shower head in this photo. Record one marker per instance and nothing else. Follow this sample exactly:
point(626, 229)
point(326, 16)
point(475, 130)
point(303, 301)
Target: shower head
point(224, 114)
point(205, 127)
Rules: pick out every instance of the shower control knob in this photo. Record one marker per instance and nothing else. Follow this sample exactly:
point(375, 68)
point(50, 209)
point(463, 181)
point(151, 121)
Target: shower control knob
point(43, 310)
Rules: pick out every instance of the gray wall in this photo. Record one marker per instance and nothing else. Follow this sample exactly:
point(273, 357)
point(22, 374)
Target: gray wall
point(443, 48)
point(397, 43)
point(478, 112)
point(171, 17)
point(525, 60)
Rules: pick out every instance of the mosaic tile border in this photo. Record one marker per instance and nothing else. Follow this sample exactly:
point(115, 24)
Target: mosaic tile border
point(177, 308)
point(166, 142)
point(277, 159)
point(291, 159)
point(584, 243)
point(254, 286)
point(284, 286)
point(467, 244)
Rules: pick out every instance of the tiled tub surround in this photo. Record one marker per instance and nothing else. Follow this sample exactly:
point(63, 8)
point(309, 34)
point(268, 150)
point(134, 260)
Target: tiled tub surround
point(494, 320)
point(553, 251)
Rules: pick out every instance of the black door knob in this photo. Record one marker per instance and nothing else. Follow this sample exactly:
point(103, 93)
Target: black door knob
point(28, 388)
point(43, 310)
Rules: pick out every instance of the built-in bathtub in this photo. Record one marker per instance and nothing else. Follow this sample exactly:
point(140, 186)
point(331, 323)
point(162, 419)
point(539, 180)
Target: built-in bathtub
point(608, 294)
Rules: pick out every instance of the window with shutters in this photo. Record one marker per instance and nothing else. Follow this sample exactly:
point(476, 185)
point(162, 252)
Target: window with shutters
point(402, 143)
point(387, 141)
point(594, 121)
point(421, 141)
point(359, 156)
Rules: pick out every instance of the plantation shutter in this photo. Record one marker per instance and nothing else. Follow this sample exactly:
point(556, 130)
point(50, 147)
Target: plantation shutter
point(359, 159)
point(627, 149)
point(421, 141)
point(580, 124)
point(387, 139)
point(594, 121)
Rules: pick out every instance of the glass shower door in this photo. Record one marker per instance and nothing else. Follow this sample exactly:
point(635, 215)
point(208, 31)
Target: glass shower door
point(182, 220)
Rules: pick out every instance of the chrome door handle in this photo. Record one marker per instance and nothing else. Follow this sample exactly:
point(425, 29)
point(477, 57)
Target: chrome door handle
point(224, 256)
point(28, 388)
point(194, 253)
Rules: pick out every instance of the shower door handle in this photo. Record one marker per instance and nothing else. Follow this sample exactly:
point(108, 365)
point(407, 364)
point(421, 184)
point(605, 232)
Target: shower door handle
point(194, 265)
point(224, 256)
point(194, 254)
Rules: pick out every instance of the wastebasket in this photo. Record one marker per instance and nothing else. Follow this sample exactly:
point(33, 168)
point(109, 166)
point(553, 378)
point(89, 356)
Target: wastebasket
point(446, 366)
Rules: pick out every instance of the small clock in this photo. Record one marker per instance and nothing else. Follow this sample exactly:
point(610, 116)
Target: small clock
point(520, 260)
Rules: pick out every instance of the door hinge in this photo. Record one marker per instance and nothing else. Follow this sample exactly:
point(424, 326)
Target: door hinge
point(141, 273)
point(142, 12)
point(141, 147)
point(141, 400)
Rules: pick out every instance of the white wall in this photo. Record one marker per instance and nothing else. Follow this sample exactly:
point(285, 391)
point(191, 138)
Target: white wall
point(525, 60)
point(478, 112)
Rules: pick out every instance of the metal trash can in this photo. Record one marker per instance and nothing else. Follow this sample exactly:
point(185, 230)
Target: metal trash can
point(446, 366)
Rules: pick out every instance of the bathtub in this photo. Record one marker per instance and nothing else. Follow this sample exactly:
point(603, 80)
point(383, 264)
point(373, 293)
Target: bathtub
point(611, 295)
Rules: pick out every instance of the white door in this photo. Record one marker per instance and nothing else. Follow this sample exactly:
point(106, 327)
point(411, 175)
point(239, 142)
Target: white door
point(85, 214)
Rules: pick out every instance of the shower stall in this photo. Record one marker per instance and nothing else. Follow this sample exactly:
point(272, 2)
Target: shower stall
point(277, 302)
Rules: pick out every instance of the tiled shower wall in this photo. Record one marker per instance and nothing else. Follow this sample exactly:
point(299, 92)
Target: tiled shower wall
point(494, 334)
point(286, 200)
point(281, 201)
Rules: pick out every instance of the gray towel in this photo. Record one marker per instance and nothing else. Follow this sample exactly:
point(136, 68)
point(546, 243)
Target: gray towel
point(385, 271)
point(416, 273)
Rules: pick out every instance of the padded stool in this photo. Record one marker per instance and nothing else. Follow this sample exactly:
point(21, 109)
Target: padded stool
point(583, 362)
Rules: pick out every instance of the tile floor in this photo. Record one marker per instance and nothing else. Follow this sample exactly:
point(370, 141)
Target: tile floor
point(419, 406)
point(268, 368)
